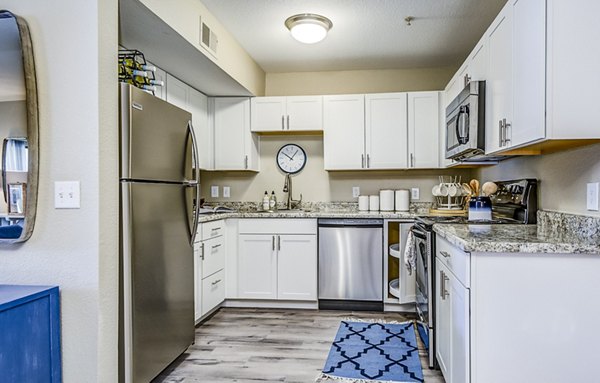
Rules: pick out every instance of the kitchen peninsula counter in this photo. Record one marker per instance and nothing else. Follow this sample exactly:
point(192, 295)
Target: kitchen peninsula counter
point(517, 239)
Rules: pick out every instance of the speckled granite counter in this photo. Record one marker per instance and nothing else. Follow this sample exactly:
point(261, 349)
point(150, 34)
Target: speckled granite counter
point(311, 214)
point(517, 239)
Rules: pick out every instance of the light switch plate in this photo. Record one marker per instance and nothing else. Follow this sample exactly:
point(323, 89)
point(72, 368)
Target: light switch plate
point(592, 196)
point(67, 195)
point(414, 193)
point(214, 191)
point(355, 191)
point(226, 192)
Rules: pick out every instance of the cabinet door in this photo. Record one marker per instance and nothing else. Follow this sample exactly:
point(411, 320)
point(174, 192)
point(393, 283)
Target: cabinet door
point(344, 132)
point(177, 93)
point(423, 129)
point(386, 131)
point(232, 133)
point(529, 72)
point(197, 281)
point(304, 113)
point(213, 256)
point(198, 105)
point(478, 64)
point(257, 266)
point(268, 114)
point(460, 330)
point(297, 267)
point(499, 96)
point(443, 319)
point(213, 291)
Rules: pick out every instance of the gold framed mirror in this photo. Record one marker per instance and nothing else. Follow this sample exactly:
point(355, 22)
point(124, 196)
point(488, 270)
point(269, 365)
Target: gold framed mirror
point(19, 129)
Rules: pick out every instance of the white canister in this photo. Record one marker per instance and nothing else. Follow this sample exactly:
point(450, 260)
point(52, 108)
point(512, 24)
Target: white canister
point(374, 202)
point(402, 200)
point(386, 200)
point(363, 203)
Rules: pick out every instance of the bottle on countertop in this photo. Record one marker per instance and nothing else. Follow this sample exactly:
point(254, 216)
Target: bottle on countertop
point(273, 201)
point(265, 201)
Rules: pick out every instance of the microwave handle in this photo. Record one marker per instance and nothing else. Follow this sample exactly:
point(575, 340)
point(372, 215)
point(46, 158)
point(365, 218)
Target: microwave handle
point(460, 111)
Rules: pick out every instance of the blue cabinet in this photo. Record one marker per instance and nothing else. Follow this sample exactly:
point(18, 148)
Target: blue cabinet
point(29, 334)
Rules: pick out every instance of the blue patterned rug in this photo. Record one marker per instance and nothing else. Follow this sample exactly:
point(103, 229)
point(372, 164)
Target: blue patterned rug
point(373, 352)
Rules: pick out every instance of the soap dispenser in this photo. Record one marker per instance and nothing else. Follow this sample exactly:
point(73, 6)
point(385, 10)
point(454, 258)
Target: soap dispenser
point(265, 201)
point(273, 201)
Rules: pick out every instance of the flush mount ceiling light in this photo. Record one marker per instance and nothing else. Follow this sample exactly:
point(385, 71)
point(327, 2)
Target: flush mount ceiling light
point(308, 28)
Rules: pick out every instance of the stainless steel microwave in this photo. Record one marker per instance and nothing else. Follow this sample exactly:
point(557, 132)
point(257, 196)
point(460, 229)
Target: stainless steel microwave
point(465, 123)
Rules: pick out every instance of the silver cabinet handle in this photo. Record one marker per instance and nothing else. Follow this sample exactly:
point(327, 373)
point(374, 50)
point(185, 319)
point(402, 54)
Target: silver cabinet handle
point(412, 160)
point(441, 284)
point(282, 122)
point(446, 293)
point(500, 129)
point(506, 126)
point(288, 122)
point(246, 162)
point(202, 250)
point(445, 254)
point(368, 161)
point(215, 282)
point(216, 246)
point(467, 79)
point(278, 243)
point(273, 243)
point(362, 161)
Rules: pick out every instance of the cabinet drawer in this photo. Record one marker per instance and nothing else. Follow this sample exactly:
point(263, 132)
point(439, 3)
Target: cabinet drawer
point(213, 291)
point(212, 253)
point(278, 226)
point(457, 261)
point(210, 230)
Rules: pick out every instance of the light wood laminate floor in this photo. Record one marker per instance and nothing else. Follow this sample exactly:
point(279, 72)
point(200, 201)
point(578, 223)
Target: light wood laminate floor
point(266, 345)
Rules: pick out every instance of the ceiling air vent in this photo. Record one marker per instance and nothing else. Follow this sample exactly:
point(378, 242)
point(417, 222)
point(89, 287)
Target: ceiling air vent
point(208, 39)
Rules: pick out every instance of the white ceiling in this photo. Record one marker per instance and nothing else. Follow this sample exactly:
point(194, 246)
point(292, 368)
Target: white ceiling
point(366, 34)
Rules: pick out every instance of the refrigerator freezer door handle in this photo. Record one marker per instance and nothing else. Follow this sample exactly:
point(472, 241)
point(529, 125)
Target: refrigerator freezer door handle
point(196, 184)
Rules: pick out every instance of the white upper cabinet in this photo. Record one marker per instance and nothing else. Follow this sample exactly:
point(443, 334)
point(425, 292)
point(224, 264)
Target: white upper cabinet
point(386, 131)
point(185, 97)
point(499, 93)
point(423, 128)
point(236, 148)
point(297, 113)
point(344, 132)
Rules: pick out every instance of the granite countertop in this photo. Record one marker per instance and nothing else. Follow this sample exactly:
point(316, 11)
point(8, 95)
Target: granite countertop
point(310, 214)
point(517, 239)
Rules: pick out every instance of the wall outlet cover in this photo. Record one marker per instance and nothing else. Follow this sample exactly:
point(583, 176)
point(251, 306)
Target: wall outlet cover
point(414, 193)
point(592, 195)
point(226, 192)
point(355, 191)
point(214, 191)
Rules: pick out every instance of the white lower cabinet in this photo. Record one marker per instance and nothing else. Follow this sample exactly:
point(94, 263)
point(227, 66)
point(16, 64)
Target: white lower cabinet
point(280, 264)
point(209, 267)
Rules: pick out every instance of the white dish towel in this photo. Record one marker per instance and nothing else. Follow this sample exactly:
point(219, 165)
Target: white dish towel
point(410, 253)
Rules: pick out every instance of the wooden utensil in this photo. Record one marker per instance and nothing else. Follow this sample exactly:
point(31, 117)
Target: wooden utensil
point(474, 186)
point(489, 188)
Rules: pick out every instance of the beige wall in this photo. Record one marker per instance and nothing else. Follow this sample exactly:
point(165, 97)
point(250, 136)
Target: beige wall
point(76, 249)
point(231, 57)
point(357, 81)
point(314, 182)
point(563, 177)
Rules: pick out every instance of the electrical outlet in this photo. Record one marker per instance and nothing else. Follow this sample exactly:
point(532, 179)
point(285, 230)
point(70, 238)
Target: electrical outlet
point(226, 192)
point(67, 195)
point(592, 195)
point(355, 191)
point(414, 193)
point(214, 191)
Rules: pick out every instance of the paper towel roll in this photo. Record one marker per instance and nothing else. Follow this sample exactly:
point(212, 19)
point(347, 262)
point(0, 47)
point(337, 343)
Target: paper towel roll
point(402, 200)
point(386, 200)
point(363, 203)
point(374, 202)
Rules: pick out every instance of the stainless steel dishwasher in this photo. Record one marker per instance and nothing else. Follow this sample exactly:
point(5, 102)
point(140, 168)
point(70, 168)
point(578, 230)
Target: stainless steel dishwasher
point(351, 264)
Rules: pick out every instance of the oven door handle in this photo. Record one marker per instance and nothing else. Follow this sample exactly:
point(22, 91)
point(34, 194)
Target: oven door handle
point(419, 234)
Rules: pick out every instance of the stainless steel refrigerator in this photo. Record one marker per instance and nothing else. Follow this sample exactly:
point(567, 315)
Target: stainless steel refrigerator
point(158, 221)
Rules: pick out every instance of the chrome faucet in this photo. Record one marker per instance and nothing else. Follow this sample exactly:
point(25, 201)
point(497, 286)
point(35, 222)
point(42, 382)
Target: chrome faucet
point(287, 188)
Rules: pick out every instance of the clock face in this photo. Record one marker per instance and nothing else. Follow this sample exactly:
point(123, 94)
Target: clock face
point(291, 158)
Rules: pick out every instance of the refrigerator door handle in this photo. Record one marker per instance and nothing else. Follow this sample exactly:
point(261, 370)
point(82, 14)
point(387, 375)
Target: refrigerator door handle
point(194, 183)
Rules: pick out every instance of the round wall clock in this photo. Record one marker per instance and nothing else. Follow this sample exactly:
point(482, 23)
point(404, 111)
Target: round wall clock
point(291, 158)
